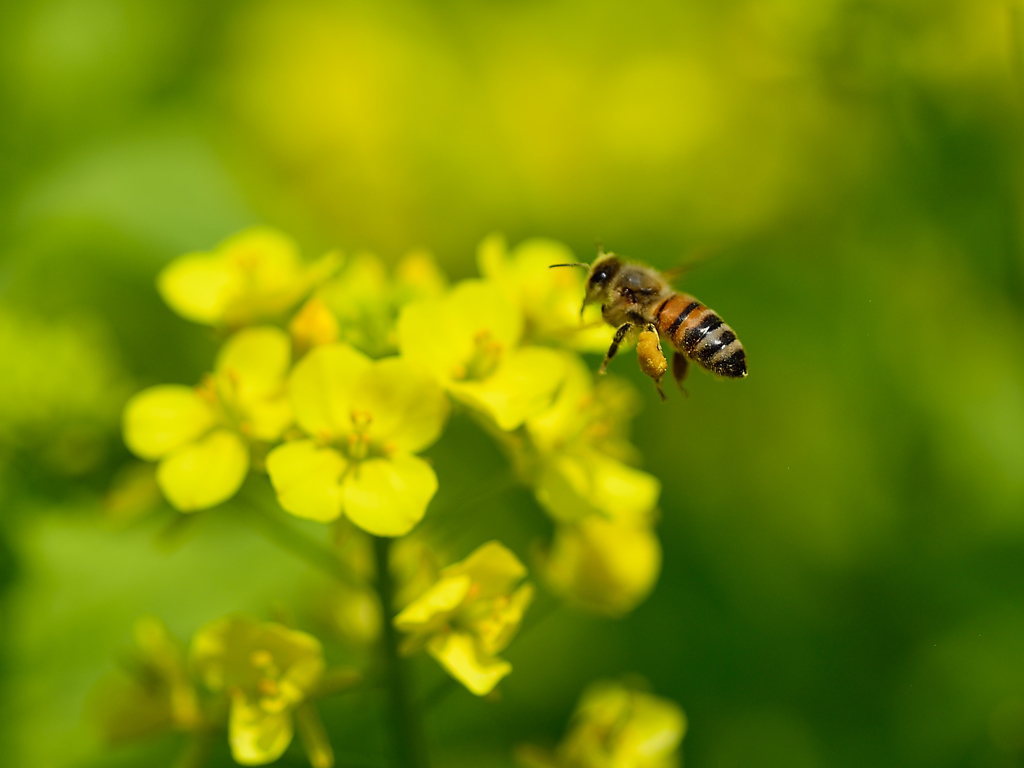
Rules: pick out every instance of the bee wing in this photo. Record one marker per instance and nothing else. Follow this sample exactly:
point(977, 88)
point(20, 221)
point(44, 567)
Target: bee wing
point(677, 273)
point(694, 258)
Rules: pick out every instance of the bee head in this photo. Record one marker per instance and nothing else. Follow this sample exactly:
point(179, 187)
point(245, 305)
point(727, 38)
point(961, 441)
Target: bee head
point(601, 274)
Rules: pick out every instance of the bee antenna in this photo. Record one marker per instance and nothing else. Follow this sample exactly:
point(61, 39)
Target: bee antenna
point(574, 264)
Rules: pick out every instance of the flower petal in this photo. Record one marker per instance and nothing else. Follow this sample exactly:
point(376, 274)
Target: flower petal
point(204, 473)
point(408, 407)
point(523, 385)
point(265, 257)
point(307, 479)
point(570, 410)
point(459, 653)
point(271, 277)
point(575, 484)
point(253, 363)
point(387, 497)
point(434, 605)
point(162, 419)
point(496, 630)
point(322, 386)
point(251, 371)
point(491, 566)
point(442, 336)
point(551, 298)
point(257, 737)
point(198, 286)
point(622, 491)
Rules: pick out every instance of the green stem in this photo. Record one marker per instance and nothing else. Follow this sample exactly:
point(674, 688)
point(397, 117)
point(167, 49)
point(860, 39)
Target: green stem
point(406, 737)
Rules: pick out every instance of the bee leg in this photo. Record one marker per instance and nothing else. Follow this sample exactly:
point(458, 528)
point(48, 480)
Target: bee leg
point(620, 334)
point(680, 367)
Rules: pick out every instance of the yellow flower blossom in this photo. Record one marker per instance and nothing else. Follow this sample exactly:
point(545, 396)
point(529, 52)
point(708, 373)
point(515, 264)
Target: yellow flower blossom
point(616, 727)
point(200, 435)
point(580, 444)
point(267, 671)
point(550, 299)
point(470, 615)
point(604, 566)
point(157, 696)
point(365, 420)
point(469, 341)
point(254, 276)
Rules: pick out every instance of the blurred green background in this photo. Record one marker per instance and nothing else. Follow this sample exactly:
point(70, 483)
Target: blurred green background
point(843, 582)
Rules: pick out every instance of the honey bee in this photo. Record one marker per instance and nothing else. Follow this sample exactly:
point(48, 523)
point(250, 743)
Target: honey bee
point(637, 299)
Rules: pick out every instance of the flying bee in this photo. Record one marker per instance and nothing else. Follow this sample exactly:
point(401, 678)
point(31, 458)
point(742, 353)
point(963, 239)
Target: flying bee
point(637, 299)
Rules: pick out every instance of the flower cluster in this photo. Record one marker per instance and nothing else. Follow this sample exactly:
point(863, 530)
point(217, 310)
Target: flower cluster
point(254, 678)
point(267, 671)
point(469, 615)
point(332, 381)
point(605, 555)
point(335, 398)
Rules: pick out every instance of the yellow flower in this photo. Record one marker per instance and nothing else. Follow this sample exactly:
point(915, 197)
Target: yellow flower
point(365, 419)
point(604, 566)
point(470, 615)
point(157, 696)
point(550, 299)
point(255, 275)
point(616, 727)
point(200, 435)
point(267, 670)
point(468, 340)
point(580, 445)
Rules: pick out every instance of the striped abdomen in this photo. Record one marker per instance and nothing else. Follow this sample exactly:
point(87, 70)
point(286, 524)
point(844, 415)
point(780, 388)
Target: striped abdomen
point(700, 334)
